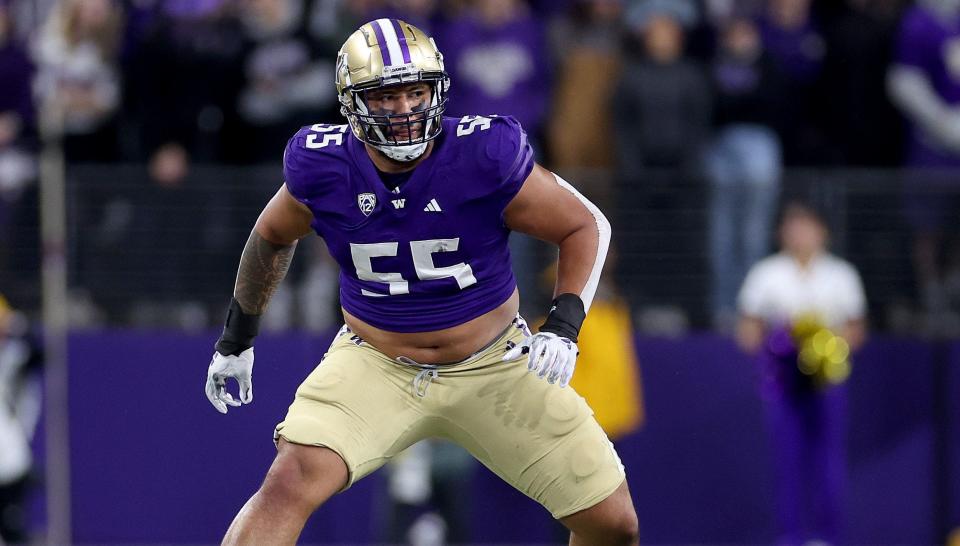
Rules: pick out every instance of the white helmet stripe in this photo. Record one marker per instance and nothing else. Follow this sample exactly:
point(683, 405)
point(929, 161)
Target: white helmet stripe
point(392, 42)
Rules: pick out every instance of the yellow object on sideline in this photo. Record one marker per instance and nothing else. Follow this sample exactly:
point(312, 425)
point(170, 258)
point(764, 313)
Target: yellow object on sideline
point(608, 373)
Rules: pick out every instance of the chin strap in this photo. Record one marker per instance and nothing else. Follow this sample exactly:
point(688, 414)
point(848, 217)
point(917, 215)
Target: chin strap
point(402, 153)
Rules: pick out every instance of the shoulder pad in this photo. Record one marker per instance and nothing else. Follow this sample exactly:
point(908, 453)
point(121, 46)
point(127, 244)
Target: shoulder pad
point(501, 145)
point(315, 154)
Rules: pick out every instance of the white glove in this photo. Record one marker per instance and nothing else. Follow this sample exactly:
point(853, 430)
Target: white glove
point(550, 355)
point(223, 367)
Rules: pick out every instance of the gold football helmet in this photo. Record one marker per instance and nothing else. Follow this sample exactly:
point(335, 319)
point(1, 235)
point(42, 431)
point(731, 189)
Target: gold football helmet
point(390, 52)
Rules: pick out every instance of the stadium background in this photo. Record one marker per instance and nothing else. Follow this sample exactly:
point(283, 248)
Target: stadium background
point(174, 117)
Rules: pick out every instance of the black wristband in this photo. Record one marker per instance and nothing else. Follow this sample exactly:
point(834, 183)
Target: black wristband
point(238, 331)
point(566, 317)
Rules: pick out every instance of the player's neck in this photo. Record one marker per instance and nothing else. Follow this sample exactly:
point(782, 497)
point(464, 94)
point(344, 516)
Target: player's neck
point(387, 165)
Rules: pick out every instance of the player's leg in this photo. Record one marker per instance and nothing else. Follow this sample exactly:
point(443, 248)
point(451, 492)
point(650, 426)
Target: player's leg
point(611, 522)
point(349, 416)
point(540, 438)
point(300, 479)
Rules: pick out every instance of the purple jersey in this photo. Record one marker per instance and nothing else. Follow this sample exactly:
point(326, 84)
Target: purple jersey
point(517, 48)
point(433, 253)
point(932, 45)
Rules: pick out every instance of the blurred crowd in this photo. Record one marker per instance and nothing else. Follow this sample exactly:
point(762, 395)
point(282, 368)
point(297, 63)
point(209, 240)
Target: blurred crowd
point(682, 119)
point(668, 113)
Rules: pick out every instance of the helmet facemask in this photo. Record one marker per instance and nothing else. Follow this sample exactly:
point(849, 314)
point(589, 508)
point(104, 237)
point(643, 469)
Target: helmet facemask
point(400, 136)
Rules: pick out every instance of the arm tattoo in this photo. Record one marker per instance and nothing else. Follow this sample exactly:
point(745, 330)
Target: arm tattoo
point(262, 266)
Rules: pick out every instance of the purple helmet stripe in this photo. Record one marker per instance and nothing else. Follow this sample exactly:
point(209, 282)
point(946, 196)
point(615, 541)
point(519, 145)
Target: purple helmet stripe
point(382, 42)
point(402, 38)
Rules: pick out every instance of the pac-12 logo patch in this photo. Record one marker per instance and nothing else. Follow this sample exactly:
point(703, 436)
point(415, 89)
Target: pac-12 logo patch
point(367, 202)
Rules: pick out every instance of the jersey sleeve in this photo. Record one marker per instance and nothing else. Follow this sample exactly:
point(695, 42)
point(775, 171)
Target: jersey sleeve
point(508, 156)
point(297, 166)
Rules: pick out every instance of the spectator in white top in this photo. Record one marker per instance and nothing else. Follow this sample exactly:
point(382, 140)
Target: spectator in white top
point(802, 311)
point(803, 278)
point(76, 52)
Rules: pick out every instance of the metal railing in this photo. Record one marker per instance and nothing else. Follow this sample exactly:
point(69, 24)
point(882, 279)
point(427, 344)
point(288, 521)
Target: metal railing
point(140, 253)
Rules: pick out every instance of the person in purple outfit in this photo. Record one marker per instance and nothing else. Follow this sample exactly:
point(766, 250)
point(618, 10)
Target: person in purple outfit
point(18, 167)
point(924, 83)
point(417, 208)
point(16, 72)
point(786, 301)
point(497, 54)
point(793, 39)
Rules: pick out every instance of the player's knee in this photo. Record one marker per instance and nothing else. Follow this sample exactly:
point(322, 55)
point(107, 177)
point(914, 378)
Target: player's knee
point(627, 530)
point(294, 481)
point(619, 532)
point(622, 528)
point(285, 484)
point(614, 527)
point(621, 520)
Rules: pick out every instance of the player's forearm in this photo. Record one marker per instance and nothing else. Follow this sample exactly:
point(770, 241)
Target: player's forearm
point(579, 253)
point(582, 254)
point(263, 265)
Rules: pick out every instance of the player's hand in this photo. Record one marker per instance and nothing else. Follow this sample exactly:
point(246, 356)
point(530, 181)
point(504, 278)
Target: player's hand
point(549, 355)
point(223, 367)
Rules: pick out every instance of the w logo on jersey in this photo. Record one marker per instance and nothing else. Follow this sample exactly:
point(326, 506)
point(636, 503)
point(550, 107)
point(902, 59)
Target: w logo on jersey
point(367, 202)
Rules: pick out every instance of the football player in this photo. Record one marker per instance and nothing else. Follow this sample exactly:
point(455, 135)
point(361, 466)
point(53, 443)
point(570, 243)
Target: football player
point(417, 208)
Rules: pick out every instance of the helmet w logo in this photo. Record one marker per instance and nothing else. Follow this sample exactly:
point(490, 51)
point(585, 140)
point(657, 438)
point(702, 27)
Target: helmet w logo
point(367, 202)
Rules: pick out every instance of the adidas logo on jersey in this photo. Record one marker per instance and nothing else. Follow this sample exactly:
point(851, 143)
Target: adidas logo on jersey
point(433, 206)
point(398, 203)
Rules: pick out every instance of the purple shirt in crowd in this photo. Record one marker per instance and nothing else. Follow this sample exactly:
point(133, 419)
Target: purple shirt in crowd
point(799, 52)
point(932, 45)
point(16, 72)
point(497, 69)
point(433, 253)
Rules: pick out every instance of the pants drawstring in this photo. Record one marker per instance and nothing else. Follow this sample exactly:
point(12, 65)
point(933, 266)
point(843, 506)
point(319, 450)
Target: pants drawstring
point(423, 379)
point(426, 374)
